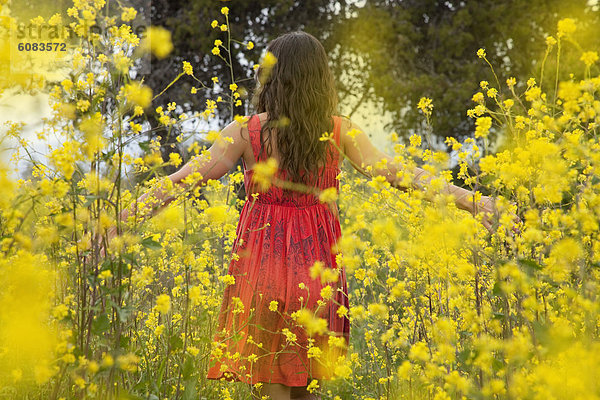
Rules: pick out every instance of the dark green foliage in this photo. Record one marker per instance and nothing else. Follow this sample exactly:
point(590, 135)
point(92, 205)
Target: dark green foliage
point(418, 48)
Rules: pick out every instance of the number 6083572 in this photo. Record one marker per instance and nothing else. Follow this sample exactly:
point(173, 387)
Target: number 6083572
point(43, 46)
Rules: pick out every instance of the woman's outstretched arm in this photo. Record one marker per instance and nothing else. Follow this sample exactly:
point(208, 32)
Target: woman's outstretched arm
point(210, 164)
point(363, 154)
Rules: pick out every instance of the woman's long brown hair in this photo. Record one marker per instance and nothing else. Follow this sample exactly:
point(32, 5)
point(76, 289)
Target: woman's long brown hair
point(300, 98)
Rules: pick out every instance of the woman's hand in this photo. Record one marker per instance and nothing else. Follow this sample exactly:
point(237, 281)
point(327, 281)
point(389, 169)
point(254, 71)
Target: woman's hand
point(490, 211)
point(97, 240)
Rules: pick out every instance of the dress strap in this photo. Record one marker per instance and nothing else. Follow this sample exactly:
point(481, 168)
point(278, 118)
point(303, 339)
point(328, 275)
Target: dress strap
point(254, 134)
point(337, 122)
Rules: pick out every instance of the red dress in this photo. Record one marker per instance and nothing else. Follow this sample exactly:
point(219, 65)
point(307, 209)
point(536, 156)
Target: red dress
point(271, 262)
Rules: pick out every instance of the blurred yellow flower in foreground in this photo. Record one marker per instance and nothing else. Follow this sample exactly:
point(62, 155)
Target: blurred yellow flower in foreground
point(264, 172)
point(158, 41)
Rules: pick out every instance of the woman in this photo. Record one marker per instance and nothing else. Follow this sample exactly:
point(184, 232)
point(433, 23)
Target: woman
point(283, 232)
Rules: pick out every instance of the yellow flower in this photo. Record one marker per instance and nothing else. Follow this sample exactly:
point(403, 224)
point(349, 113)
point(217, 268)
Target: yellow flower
point(163, 303)
point(492, 92)
point(158, 41)
point(135, 128)
point(250, 45)
point(533, 93)
point(326, 292)
point(314, 352)
point(214, 23)
point(478, 97)
point(511, 82)
point(269, 60)
point(225, 11)
point(419, 352)
point(223, 27)
point(482, 126)
point(218, 42)
point(187, 68)
point(227, 279)
point(313, 324)
point(56, 19)
point(342, 369)
point(315, 269)
point(342, 311)
point(589, 58)
point(138, 94)
point(314, 385)
point(273, 305)
point(378, 310)
point(238, 305)
point(67, 84)
point(128, 14)
point(425, 105)
point(175, 159)
point(264, 172)
point(550, 41)
point(328, 195)
point(566, 26)
point(159, 330)
point(107, 360)
point(233, 87)
point(83, 105)
point(415, 140)
point(242, 120)
point(79, 381)
point(93, 367)
point(481, 53)
point(508, 103)
point(216, 51)
point(106, 274)
point(215, 79)
point(290, 336)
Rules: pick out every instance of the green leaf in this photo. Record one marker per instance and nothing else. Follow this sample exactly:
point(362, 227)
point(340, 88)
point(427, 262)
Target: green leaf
point(90, 199)
point(129, 396)
point(190, 390)
point(176, 342)
point(144, 146)
point(497, 290)
point(124, 341)
point(124, 313)
point(106, 156)
point(188, 367)
point(151, 244)
point(100, 324)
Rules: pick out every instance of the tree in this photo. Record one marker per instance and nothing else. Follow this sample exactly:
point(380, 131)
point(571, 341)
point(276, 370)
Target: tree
point(416, 48)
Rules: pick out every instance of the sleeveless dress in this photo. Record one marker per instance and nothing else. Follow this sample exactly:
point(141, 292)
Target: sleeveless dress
point(278, 240)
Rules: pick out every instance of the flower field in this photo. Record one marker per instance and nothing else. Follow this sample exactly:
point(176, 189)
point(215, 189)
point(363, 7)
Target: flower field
point(440, 308)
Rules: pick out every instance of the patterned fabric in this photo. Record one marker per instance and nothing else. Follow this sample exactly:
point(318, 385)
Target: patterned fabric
point(278, 239)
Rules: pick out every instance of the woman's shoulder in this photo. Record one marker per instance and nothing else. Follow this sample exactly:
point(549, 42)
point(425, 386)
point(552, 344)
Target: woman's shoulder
point(346, 125)
point(345, 122)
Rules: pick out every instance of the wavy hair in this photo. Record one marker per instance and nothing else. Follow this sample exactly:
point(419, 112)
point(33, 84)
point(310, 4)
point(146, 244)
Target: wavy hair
point(299, 96)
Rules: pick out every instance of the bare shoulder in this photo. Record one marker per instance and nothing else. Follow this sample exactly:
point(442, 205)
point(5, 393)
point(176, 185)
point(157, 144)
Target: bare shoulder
point(237, 130)
point(346, 125)
point(263, 117)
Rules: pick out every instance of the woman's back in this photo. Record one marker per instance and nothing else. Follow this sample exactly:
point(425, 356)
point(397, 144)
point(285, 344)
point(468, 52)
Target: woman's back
point(326, 178)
